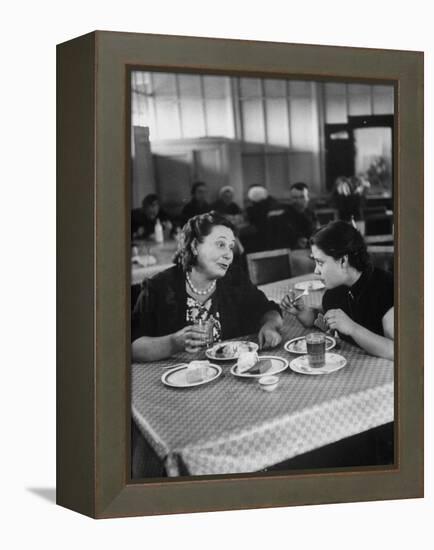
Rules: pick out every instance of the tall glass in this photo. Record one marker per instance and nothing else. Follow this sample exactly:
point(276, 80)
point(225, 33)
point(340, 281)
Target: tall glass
point(208, 330)
point(207, 334)
point(316, 344)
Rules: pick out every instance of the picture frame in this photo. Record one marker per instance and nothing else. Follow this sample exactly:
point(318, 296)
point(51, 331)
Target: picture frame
point(93, 349)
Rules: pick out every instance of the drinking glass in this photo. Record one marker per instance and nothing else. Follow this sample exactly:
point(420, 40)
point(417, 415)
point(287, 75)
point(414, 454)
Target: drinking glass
point(206, 328)
point(316, 344)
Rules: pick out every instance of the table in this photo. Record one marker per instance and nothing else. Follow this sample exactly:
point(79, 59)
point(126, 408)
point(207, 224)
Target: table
point(232, 426)
point(277, 290)
point(162, 252)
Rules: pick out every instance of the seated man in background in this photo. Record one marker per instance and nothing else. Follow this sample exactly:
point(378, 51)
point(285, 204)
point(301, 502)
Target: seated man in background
point(225, 204)
point(198, 203)
point(227, 207)
point(261, 207)
point(143, 219)
point(301, 220)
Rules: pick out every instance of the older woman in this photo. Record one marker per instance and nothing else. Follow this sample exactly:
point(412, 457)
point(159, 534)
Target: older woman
point(358, 301)
point(201, 285)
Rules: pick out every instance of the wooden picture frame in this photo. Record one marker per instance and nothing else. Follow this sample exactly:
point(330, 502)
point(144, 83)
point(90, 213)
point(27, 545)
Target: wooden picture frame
point(93, 429)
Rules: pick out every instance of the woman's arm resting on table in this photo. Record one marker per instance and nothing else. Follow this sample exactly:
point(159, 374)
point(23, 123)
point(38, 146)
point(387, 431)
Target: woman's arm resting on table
point(269, 334)
point(154, 348)
point(381, 346)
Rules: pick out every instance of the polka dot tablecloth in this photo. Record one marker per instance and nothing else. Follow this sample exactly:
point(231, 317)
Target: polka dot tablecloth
point(232, 426)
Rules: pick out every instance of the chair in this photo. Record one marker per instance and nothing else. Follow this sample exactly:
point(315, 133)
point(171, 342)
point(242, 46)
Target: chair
point(269, 266)
point(383, 240)
point(379, 224)
point(301, 262)
point(382, 256)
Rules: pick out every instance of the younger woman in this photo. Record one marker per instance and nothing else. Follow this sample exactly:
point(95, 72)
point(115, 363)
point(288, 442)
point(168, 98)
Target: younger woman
point(358, 301)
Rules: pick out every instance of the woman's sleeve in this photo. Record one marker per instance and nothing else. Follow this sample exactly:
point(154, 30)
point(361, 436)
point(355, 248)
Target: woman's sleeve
point(326, 302)
point(256, 303)
point(143, 318)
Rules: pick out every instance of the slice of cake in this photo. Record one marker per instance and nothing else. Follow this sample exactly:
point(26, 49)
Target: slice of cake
point(196, 371)
point(246, 361)
point(261, 367)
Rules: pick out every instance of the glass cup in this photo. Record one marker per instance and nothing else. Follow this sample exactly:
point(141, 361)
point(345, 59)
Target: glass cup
point(316, 344)
point(206, 328)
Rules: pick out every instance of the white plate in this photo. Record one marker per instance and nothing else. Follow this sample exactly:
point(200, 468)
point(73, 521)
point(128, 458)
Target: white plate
point(278, 364)
point(333, 362)
point(211, 353)
point(177, 377)
point(298, 345)
point(314, 284)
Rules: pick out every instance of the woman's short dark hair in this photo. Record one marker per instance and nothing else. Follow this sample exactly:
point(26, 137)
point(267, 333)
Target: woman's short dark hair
point(338, 239)
point(194, 232)
point(196, 185)
point(150, 199)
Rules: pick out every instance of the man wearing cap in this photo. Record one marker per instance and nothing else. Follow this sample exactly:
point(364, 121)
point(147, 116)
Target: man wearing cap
point(262, 208)
point(225, 204)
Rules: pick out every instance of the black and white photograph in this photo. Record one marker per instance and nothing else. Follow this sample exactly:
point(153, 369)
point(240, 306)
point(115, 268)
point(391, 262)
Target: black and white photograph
point(262, 274)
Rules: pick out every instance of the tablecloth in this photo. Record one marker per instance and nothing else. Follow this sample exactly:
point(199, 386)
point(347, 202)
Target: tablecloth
point(232, 426)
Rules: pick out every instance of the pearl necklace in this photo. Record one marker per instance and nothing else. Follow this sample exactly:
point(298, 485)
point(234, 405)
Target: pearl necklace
point(196, 290)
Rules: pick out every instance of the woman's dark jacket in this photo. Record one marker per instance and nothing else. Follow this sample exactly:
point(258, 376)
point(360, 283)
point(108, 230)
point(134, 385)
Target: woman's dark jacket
point(161, 305)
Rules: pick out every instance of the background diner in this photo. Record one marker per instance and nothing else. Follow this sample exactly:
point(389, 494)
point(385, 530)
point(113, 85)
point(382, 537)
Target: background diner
point(198, 140)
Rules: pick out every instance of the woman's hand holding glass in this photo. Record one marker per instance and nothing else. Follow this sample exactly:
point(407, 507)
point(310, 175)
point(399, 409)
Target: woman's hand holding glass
point(193, 337)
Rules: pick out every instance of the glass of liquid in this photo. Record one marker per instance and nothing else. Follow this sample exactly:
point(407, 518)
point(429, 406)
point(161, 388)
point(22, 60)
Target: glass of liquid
point(316, 344)
point(206, 329)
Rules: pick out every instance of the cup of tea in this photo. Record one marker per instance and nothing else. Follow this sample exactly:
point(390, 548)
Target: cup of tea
point(316, 344)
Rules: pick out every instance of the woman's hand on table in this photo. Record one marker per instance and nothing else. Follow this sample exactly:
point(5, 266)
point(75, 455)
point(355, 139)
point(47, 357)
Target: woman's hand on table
point(268, 337)
point(339, 320)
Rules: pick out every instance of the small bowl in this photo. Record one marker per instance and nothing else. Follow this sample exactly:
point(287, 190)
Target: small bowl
point(268, 383)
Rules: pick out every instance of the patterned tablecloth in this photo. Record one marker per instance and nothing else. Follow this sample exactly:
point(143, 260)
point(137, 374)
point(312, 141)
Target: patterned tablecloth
point(232, 426)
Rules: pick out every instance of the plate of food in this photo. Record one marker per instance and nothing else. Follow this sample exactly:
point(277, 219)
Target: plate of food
point(189, 375)
point(314, 284)
point(250, 365)
point(227, 351)
point(332, 363)
point(298, 345)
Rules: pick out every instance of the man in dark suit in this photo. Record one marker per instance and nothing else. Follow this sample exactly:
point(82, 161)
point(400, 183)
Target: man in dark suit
point(301, 220)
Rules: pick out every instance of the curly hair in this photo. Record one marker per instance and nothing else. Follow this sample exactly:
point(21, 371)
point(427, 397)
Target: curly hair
point(338, 239)
point(194, 232)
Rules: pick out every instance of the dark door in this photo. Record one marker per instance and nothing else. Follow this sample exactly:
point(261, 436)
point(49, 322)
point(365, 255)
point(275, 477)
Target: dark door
point(339, 144)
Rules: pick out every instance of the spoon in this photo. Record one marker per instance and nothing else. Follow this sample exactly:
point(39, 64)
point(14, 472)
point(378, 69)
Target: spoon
point(337, 339)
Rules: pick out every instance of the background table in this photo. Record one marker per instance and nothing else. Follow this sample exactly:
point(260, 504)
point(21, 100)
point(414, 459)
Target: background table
point(277, 290)
point(163, 254)
point(232, 426)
